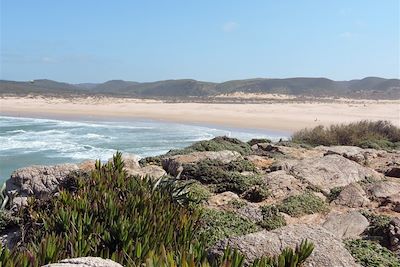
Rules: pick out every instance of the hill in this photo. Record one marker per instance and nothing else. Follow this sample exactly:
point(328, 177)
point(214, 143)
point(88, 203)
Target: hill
point(370, 88)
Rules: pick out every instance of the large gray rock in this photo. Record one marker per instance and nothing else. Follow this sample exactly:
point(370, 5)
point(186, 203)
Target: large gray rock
point(353, 196)
point(329, 250)
point(346, 225)
point(280, 184)
point(85, 262)
point(332, 171)
point(173, 165)
point(37, 181)
point(354, 153)
point(383, 189)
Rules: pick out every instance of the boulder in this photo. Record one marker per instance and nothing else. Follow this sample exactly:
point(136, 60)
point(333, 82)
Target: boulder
point(329, 250)
point(173, 165)
point(383, 189)
point(354, 153)
point(222, 199)
point(152, 171)
point(352, 196)
point(260, 162)
point(85, 262)
point(37, 181)
point(394, 235)
point(331, 171)
point(346, 225)
point(385, 162)
point(280, 184)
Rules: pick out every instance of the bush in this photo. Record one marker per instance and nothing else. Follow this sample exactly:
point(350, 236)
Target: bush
point(217, 144)
point(378, 226)
point(258, 141)
point(371, 254)
point(197, 192)
point(227, 177)
point(299, 205)
point(271, 218)
point(216, 225)
point(366, 134)
point(334, 193)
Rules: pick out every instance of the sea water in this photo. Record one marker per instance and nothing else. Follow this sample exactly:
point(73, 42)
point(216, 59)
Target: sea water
point(33, 141)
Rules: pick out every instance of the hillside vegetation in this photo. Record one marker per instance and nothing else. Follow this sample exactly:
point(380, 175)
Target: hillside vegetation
point(370, 87)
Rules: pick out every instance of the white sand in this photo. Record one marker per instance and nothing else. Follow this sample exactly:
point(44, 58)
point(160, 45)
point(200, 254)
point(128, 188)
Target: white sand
point(271, 116)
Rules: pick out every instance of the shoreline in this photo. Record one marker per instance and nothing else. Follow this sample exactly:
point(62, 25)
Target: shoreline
point(276, 117)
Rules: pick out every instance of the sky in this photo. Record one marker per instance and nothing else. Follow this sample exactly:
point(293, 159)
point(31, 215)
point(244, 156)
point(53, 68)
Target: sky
point(79, 41)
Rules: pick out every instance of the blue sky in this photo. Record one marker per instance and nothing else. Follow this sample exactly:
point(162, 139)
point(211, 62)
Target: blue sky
point(212, 40)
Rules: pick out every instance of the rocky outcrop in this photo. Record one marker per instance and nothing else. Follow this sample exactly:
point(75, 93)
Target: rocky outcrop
point(174, 165)
point(383, 189)
point(37, 181)
point(328, 251)
point(346, 225)
point(352, 196)
point(354, 153)
point(280, 184)
point(331, 171)
point(85, 262)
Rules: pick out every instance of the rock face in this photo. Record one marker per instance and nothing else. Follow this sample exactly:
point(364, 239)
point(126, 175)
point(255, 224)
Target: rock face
point(354, 153)
point(173, 165)
point(85, 262)
point(347, 225)
point(329, 250)
point(331, 171)
point(353, 196)
point(36, 181)
point(383, 189)
point(280, 184)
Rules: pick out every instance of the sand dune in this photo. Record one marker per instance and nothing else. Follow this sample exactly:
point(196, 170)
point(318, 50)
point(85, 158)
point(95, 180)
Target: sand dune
point(273, 116)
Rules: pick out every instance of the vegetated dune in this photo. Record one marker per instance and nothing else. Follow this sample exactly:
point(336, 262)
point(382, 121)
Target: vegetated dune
point(368, 88)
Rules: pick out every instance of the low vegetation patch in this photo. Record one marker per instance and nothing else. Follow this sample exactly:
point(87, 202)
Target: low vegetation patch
point(371, 254)
point(303, 204)
point(334, 193)
point(217, 144)
point(378, 226)
point(228, 177)
point(258, 141)
point(271, 218)
point(216, 225)
point(365, 134)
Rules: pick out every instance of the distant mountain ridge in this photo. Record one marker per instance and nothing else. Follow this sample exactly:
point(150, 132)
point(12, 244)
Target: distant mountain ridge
point(370, 87)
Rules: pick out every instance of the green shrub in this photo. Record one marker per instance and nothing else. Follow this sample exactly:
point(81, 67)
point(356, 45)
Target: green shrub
point(371, 254)
point(258, 141)
point(156, 160)
point(305, 203)
point(198, 193)
point(237, 203)
point(216, 144)
point(227, 177)
point(334, 193)
point(367, 134)
point(378, 226)
point(271, 218)
point(216, 225)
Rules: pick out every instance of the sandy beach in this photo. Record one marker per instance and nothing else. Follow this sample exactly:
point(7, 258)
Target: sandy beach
point(289, 116)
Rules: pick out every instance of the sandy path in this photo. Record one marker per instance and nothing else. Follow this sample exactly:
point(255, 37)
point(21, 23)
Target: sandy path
point(275, 116)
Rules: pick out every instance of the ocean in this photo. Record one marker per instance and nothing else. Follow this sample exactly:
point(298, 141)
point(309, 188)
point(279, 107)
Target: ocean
point(34, 141)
